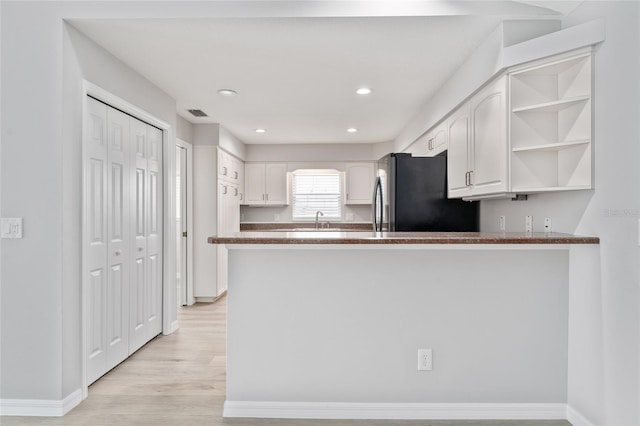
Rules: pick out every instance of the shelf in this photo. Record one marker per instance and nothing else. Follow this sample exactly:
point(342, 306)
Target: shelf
point(552, 146)
point(553, 106)
point(525, 190)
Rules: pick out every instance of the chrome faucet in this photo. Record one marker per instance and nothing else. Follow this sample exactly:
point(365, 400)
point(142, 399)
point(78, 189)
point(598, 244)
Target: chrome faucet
point(318, 213)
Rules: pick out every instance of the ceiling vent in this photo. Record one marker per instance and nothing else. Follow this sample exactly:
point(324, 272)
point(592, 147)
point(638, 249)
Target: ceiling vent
point(197, 113)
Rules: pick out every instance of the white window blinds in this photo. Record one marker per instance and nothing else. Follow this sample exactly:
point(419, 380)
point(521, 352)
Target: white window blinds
point(315, 190)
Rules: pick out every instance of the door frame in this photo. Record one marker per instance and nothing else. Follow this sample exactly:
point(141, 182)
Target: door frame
point(169, 309)
point(189, 195)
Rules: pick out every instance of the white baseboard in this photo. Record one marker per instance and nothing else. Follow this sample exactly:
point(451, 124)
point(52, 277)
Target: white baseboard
point(205, 299)
point(393, 411)
point(576, 418)
point(174, 327)
point(40, 407)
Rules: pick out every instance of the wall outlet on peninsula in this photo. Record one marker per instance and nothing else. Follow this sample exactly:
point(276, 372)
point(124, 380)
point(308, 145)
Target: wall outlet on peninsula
point(425, 359)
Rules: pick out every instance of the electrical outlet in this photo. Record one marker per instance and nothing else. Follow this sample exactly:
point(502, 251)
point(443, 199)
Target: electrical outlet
point(350, 217)
point(503, 223)
point(547, 224)
point(528, 224)
point(276, 217)
point(425, 359)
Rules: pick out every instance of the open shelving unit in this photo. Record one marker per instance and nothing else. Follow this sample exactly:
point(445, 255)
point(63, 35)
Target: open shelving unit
point(550, 126)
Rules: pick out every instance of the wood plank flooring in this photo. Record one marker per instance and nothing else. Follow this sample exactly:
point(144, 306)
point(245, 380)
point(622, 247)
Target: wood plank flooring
point(180, 380)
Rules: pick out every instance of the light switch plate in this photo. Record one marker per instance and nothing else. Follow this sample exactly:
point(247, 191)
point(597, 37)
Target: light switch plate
point(11, 227)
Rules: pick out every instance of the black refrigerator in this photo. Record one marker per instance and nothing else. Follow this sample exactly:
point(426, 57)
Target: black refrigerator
point(410, 194)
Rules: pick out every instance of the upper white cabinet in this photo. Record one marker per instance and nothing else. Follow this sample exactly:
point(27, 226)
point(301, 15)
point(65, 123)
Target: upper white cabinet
point(432, 143)
point(230, 169)
point(437, 139)
point(265, 184)
point(359, 183)
point(551, 125)
point(477, 157)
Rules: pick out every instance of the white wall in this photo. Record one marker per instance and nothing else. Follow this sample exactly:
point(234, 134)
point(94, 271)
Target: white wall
point(43, 63)
point(605, 298)
point(184, 129)
point(310, 152)
point(499, 334)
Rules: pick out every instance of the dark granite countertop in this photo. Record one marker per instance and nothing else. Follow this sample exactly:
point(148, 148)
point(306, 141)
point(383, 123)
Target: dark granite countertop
point(369, 237)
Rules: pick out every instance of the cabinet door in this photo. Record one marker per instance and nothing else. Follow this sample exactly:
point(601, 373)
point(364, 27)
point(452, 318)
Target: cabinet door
point(254, 182)
point(438, 139)
point(459, 126)
point(359, 183)
point(489, 171)
point(276, 184)
point(241, 196)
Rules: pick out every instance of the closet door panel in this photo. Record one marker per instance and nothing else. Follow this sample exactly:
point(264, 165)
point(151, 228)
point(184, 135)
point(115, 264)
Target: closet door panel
point(95, 235)
point(154, 232)
point(119, 249)
point(139, 291)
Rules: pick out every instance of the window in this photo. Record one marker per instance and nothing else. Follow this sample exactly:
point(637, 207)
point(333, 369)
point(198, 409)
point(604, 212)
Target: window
point(316, 189)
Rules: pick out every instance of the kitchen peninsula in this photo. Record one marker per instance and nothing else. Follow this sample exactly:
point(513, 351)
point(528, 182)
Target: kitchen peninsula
point(329, 324)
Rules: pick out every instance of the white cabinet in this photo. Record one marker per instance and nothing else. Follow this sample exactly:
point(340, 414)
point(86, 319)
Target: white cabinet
point(217, 194)
point(551, 125)
point(266, 184)
point(477, 158)
point(228, 224)
point(359, 183)
point(437, 140)
point(458, 157)
point(432, 143)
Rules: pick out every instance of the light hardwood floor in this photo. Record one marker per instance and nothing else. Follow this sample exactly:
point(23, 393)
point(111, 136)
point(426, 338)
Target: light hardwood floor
point(180, 380)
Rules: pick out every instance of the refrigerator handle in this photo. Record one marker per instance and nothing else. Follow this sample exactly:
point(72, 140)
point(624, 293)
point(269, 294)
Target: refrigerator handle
point(374, 202)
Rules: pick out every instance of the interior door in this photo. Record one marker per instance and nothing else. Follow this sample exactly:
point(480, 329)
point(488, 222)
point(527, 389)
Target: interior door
point(181, 225)
point(139, 291)
point(95, 280)
point(154, 232)
point(116, 302)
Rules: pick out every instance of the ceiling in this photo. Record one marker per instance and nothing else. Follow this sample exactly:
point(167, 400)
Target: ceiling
point(297, 77)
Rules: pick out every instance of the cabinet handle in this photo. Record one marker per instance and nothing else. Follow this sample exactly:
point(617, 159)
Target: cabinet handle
point(466, 179)
point(236, 194)
point(118, 252)
point(430, 144)
point(471, 178)
point(224, 171)
point(225, 189)
point(267, 197)
point(241, 196)
point(235, 175)
point(140, 249)
point(347, 195)
point(262, 197)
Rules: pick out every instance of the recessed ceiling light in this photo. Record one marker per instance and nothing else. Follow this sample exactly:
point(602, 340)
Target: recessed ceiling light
point(260, 130)
point(227, 92)
point(352, 130)
point(363, 91)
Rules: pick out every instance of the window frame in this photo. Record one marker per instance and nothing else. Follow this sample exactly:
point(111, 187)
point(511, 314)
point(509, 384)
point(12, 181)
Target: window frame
point(340, 199)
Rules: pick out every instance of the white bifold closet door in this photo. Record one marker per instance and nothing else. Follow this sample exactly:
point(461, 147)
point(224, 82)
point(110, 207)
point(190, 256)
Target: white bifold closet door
point(123, 203)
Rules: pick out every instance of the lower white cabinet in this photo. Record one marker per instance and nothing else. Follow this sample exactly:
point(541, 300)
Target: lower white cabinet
point(478, 146)
point(359, 183)
point(122, 276)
